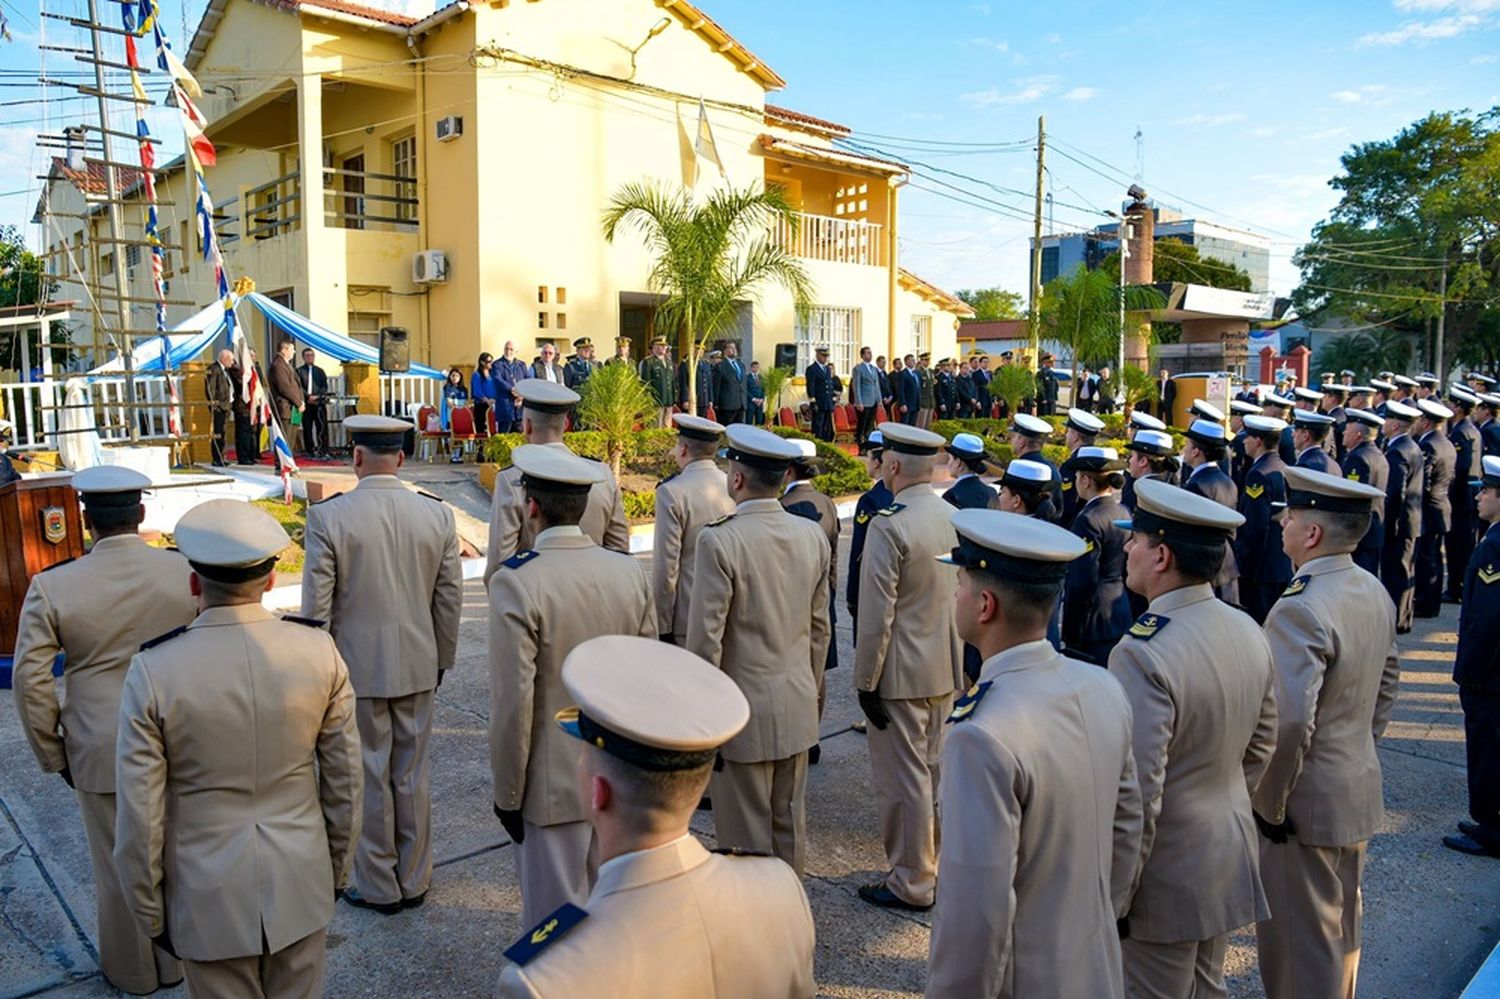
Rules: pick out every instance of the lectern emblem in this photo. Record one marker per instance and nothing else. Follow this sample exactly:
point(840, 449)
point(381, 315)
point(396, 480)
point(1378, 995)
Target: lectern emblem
point(54, 524)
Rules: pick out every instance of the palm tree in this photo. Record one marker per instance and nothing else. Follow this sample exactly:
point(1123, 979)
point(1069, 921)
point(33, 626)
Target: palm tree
point(709, 258)
point(1082, 310)
point(773, 381)
point(614, 402)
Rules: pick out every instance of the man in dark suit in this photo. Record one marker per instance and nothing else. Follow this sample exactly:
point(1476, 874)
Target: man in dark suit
point(314, 382)
point(1364, 463)
point(286, 394)
point(820, 393)
point(1469, 452)
point(1403, 510)
point(966, 462)
point(1201, 454)
point(963, 384)
point(729, 386)
point(1310, 432)
point(887, 393)
point(246, 424)
point(1166, 395)
point(219, 391)
point(1046, 387)
point(908, 389)
point(1265, 569)
point(1439, 465)
point(982, 378)
point(755, 396)
point(1096, 610)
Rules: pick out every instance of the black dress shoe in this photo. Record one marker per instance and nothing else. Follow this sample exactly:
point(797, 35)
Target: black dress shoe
point(814, 755)
point(415, 902)
point(879, 894)
point(354, 898)
point(1473, 830)
point(1472, 846)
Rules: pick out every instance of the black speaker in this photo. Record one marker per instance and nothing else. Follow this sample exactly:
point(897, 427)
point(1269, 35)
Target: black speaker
point(786, 355)
point(395, 352)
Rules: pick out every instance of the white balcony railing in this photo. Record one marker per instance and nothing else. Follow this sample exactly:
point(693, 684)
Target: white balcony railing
point(835, 240)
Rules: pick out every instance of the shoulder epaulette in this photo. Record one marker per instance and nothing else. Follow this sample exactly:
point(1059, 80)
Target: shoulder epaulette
point(545, 933)
point(736, 851)
point(669, 478)
point(1352, 476)
point(54, 565)
point(520, 558)
point(894, 508)
point(1067, 484)
point(310, 622)
point(1297, 586)
point(326, 499)
point(1255, 491)
point(160, 639)
point(1147, 625)
point(965, 705)
point(862, 517)
point(721, 520)
point(1489, 574)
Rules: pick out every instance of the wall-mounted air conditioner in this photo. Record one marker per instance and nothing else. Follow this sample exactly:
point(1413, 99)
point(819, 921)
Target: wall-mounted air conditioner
point(429, 267)
point(449, 128)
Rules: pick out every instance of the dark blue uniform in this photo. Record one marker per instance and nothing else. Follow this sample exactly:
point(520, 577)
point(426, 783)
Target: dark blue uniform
point(1469, 452)
point(909, 394)
point(1054, 490)
point(1070, 494)
point(1317, 459)
point(1403, 526)
point(1264, 568)
point(1476, 670)
point(1096, 611)
point(964, 386)
point(576, 373)
point(820, 394)
point(1365, 464)
point(1439, 462)
point(945, 391)
point(1489, 436)
point(755, 396)
point(982, 392)
point(970, 493)
point(1287, 450)
point(1239, 463)
point(1336, 435)
point(1210, 481)
point(1046, 390)
point(873, 501)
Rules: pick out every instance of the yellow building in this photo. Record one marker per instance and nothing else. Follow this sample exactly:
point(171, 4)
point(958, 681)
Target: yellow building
point(494, 134)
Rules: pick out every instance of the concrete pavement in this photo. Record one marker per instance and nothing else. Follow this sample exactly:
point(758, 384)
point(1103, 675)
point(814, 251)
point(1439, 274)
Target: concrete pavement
point(1431, 916)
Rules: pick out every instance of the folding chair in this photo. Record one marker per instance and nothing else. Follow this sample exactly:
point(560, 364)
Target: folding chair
point(461, 428)
point(427, 439)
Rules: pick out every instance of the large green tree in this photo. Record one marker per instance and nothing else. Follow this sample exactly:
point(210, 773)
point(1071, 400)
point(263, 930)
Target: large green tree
point(23, 281)
point(990, 304)
point(1174, 260)
point(1082, 310)
point(1415, 236)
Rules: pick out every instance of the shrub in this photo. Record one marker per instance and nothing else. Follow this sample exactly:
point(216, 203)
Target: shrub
point(614, 402)
point(649, 447)
point(842, 474)
point(640, 506)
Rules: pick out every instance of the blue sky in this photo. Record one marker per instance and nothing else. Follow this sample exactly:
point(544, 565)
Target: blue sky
point(1244, 108)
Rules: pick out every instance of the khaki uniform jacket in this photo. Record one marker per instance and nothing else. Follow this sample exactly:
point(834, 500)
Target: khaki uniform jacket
point(907, 646)
point(1203, 699)
point(684, 503)
point(98, 609)
point(1041, 830)
point(383, 571)
point(603, 518)
point(1333, 640)
point(760, 613)
point(672, 923)
point(805, 501)
point(541, 608)
point(239, 784)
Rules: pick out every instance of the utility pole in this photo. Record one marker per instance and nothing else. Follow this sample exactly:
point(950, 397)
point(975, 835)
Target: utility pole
point(1437, 362)
point(1126, 231)
point(1035, 318)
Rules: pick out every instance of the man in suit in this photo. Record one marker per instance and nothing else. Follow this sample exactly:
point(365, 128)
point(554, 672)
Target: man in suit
point(1468, 452)
point(1439, 462)
point(729, 386)
point(887, 393)
point(97, 610)
point(1079, 431)
point(771, 640)
point(864, 394)
point(313, 381)
point(820, 393)
point(382, 570)
point(546, 368)
point(238, 773)
point(1476, 670)
point(1404, 514)
point(1202, 453)
point(978, 368)
point(219, 391)
point(702, 391)
point(507, 372)
point(1046, 387)
point(667, 917)
point(685, 502)
point(656, 372)
point(1264, 569)
point(1310, 432)
point(1333, 641)
point(286, 393)
point(1364, 463)
point(1041, 811)
point(246, 424)
point(800, 497)
point(535, 621)
point(581, 365)
point(1166, 395)
point(907, 662)
point(926, 390)
point(1199, 680)
point(1085, 389)
point(908, 389)
point(966, 463)
point(755, 396)
point(1096, 610)
point(964, 388)
point(544, 417)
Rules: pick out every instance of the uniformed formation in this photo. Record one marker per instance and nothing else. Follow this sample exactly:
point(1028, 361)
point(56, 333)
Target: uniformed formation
point(1096, 831)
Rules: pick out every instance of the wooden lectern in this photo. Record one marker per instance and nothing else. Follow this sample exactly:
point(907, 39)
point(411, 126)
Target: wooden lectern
point(40, 525)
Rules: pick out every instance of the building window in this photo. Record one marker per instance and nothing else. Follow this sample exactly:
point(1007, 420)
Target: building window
point(404, 165)
point(921, 334)
point(369, 309)
point(541, 320)
point(132, 255)
point(831, 327)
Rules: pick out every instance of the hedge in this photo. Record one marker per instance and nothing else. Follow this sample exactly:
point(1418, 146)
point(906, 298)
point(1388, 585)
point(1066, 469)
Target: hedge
point(646, 446)
point(842, 475)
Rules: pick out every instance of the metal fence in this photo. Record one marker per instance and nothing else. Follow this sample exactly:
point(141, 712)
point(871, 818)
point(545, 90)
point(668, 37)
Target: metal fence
point(37, 408)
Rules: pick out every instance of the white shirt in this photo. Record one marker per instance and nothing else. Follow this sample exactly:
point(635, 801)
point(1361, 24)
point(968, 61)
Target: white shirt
point(559, 531)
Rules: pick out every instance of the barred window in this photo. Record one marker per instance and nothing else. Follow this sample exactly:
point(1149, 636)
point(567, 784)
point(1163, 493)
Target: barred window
point(831, 326)
point(921, 334)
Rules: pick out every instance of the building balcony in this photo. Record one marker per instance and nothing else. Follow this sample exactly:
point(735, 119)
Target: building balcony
point(352, 199)
point(831, 239)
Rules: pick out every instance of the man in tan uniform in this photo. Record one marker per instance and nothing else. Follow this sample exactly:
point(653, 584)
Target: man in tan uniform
point(97, 610)
point(667, 919)
point(383, 572)
point(907, 662)
point(760, 613)
point(684, 503)
point(1041, 813)
point(535, 621)
point(238, 773)
point(1333, 640)
point(1198, 676)
point(544, 418)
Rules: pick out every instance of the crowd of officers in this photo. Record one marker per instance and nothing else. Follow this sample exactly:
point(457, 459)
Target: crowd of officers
point(1167, 728)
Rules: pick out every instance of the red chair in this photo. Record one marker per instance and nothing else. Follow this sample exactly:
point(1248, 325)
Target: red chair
point(841, 424)
point(708, 414)
point(461, 427)
point(880, 414)
point(786, 418)
point(426, 437)
point(489, 417)
point(850, 414)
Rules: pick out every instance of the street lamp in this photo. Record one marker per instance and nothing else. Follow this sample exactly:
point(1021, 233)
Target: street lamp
point(1126, 231)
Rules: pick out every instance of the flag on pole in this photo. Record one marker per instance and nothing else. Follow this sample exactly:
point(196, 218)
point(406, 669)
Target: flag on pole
point(704, 145)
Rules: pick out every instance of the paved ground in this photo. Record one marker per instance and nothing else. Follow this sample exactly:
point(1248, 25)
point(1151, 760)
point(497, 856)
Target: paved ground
point(1431, 915)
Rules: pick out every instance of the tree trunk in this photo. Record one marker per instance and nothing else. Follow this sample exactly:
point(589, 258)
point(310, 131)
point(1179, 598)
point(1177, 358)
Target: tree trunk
point(695, 350)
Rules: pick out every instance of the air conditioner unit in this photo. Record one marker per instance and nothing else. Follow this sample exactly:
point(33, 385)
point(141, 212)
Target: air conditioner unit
point(429, 267)
point(449, 128)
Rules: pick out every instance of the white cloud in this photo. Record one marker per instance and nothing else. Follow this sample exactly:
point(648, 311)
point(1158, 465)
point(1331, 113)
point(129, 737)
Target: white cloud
point(1025, 91)
point(1485, 59)
point(1081, 94)
point(1263, 131)
point(1201, 120)
point(986, 43)
point(1053, 39)
point(1457, 17)
point(1355, 96)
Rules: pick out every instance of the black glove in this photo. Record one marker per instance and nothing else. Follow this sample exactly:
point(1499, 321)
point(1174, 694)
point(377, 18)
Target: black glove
point(1272, 831)
point(164, 942)
point(67, 776)
point(667, 637)
point(1122, 927)
point(869, 703)
point(439, 683)
point(514, 827)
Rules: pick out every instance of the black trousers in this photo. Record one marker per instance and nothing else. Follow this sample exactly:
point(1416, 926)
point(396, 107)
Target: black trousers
point(216, 444)
point(1429, 595)
point(910, 417)
point(729, 416)
point(315, 428)
point(1482, 748)
point(246, 440)
point(865, 424)
point(822, 424)
point(1461, 541)
point(1398, 573)
point(481, 418)
point(1367, 557)
point(1257, 597)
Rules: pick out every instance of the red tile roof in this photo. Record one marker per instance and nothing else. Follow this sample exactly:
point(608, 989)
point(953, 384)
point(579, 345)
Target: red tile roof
point(797, 118)
point(360, 10)
point(92, 180)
